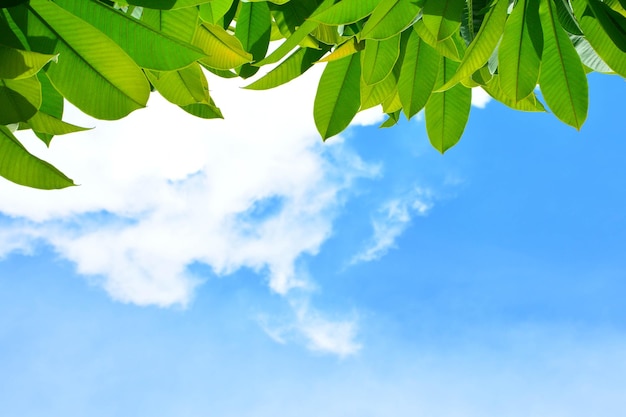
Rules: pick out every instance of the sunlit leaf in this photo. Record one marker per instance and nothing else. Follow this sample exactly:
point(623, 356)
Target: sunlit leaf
point(452, 47)
point(378, 58)
point(19, 99)
point(442, 17)
point(253, 30)
point(136, 38)
point(338, 97)
point(17, 63)
point(483, 45)
point(519, 57)
point(390, 18)
point(528, 104)
point(563, 81)
point(603, 35)
point(92, 72)
point(418, 74)
point(349, 47)
point(224, 50)
point(447, 112)
point(21, 167)
point(345, 12)
point(181, 87)
point(295, 65)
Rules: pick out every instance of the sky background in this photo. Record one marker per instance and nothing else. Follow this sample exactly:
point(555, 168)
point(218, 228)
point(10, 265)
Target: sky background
point(241, 267)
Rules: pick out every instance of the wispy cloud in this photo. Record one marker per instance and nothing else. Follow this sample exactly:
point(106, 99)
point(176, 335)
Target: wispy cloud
point(391, 221)
point(318, 331)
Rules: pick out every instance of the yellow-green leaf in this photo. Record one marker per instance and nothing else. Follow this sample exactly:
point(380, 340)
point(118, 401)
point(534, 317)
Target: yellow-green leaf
point(224, 50)
point(447, 112)
point(337, 100)
point(378, 58)
point(390, 18)
point(563, 81)
point(21, 167)
point(17, 63)
point(519, 57)
point(442, 17)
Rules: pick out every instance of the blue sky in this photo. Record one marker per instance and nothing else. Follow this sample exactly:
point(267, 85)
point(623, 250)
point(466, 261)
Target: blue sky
point(243, 268)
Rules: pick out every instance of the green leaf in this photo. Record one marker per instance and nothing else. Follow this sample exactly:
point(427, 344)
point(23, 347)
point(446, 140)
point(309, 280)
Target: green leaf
point(447, 112)
point(392, 120)
point(337, 99)
point(166, 4)
point(47, 124)
point(563, 81)
point(483, 45)
point(93, 72)
point(603, 35)
point(292, 67)
point(345, 12)
point(566, 17)
point(253, 30)
point(203, 110)
point(373, 95)
point(224, 50)
point(452, 47)
point(528, 104)
point(21, 167)
point(181, 87)
point(520, 51)
point(349, 47)
point(18, 64)
point(137, 39)
point(443, 17)
point(390, 18)
point(19, 99)
point(378, 58)
point(418, 74)
point(589, 56)
point(295, 38)
point(180, 24)
point(215, 10)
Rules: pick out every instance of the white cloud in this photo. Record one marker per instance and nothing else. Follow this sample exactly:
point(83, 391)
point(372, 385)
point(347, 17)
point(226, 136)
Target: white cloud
point(162, 190)
point(391, 221)
point(480, 98)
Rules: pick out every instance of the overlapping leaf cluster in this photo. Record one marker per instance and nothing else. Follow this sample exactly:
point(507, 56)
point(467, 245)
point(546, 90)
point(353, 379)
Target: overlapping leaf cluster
point(106, 57)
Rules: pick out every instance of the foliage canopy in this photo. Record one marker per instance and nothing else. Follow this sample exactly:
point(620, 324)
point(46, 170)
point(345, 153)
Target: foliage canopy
point(106, 57)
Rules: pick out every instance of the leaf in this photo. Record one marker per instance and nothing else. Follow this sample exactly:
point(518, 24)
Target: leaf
point(166, 4)
point(443, 17)
point(594, 21)
point(378, 58)
point(418, 74)
point(19, 99)
point(589, 56)
point(392, 120)
point(21, 167)
point(529, 104)
point(337, 100)
point(520, 51)
point(93, 72)
point(292, 67)
point(181, 87)
point(345, 12)
point(447, 112)
point(253, 30)
point(17, 63)
point(203, 110)
point(563, 81)
point(483, 45)
point(452, 48)
point(215, 10)
point(566, 17)
point(224, 50)
point(373, 95)
point(295, 38)
point(47, 124)
point(349, 47)
point(390, 18)
point(137, 39)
